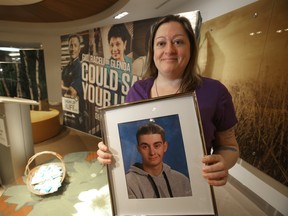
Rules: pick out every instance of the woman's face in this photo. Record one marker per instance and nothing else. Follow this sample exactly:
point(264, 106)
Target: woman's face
point(117, 48)
point(171, 50)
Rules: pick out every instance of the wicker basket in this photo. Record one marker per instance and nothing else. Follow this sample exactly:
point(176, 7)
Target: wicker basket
point(30, 173)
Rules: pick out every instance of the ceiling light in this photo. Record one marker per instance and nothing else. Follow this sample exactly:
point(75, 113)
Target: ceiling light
point(9, 49)
point(15, 59)
point(121, 15)
point(14, 54)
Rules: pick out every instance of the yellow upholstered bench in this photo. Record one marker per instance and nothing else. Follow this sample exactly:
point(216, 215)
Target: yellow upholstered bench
point(45, 124)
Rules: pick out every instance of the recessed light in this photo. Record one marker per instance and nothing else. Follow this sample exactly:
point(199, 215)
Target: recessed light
point(121, 15)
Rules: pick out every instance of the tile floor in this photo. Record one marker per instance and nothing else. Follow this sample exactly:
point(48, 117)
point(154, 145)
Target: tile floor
point(230, 201)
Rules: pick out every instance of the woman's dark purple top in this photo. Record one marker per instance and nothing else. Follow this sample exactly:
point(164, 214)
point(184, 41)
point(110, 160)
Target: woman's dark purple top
point(215, 105)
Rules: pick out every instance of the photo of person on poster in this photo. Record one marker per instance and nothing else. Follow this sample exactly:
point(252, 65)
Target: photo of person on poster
point(71, 85)
point(120, 63)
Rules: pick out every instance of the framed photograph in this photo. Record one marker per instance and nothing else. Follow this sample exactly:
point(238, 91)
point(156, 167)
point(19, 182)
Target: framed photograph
point(138, 186)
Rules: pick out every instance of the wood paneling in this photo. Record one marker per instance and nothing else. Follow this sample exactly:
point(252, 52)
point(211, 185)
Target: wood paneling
point(54, 10)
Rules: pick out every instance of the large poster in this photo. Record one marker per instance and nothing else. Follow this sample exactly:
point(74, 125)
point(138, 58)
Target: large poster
point(99, 66)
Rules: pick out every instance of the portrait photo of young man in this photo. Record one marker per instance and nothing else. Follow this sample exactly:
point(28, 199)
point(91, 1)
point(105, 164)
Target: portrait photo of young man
point(150, 175)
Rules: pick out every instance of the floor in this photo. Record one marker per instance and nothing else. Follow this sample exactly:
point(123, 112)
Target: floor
point(68, 141)
point(229, 200)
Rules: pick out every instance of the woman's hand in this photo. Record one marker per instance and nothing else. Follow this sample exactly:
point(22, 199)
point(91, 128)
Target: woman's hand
point(104, 157)
point(224, 157)
point(215, 170)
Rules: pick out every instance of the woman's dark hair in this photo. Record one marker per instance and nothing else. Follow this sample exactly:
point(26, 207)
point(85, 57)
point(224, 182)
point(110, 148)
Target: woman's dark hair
point(120, 30)
point(190, 78)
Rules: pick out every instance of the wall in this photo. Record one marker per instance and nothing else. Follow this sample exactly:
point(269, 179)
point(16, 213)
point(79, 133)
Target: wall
point(247, 50)
point(231, 52)
point(244, 50)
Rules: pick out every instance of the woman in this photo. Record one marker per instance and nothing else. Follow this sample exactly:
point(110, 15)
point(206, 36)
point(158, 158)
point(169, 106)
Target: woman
point(171, 62)
point(119, 39)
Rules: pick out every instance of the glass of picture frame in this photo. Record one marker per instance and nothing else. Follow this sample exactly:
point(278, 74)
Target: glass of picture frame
point(179, 116)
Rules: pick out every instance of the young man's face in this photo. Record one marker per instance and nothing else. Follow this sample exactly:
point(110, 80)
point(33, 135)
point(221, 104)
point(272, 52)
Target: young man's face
point(152, 149)
point(74, 47)
point(117, 47)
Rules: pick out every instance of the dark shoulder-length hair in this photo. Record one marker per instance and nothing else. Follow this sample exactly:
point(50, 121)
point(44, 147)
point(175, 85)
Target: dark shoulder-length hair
point(190, 78)
point(120, 30)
